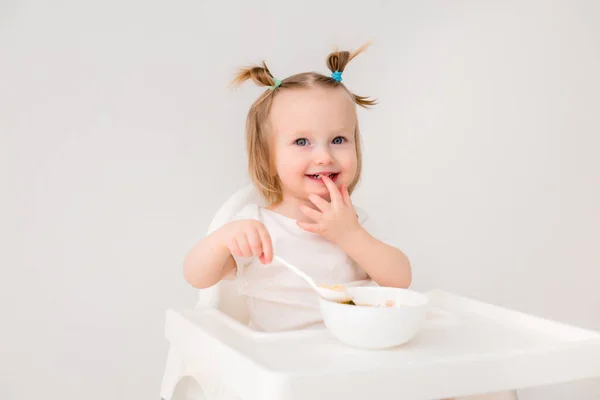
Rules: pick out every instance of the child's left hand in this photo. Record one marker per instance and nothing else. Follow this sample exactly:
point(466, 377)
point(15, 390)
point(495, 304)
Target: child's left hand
point(333, 220)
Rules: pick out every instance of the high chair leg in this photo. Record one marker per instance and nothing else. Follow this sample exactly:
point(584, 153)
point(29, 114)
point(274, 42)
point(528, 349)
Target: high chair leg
point(174, 371)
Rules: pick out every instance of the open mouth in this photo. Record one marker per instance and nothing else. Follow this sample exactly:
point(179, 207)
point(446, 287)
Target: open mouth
point(317, 177)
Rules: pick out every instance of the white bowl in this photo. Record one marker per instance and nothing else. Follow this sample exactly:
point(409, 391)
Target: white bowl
point(370, 324)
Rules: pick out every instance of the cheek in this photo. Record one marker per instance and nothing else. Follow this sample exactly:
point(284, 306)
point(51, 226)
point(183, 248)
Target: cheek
point(348, 159)
point(290, 164)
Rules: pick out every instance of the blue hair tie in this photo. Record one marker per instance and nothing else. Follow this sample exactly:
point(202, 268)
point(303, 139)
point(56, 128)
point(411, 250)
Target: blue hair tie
point(337, 75)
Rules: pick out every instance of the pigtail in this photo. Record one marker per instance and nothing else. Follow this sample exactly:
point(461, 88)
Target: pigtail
point(337, 62)
point(258, 74)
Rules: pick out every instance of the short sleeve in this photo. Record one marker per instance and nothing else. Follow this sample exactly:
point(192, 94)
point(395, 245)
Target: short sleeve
point(250, 211)
point(376, 228)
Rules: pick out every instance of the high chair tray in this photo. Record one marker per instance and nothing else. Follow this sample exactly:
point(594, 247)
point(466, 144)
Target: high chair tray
point(466, 347)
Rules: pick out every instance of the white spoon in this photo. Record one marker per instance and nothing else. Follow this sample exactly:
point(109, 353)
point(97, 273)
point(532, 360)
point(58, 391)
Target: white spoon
point(327, 294)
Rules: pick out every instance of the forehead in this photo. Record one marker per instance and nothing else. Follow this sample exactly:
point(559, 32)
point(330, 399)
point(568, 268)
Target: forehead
point(315, 110)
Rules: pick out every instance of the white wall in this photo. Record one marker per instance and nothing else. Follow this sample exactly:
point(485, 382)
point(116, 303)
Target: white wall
point(119, 139)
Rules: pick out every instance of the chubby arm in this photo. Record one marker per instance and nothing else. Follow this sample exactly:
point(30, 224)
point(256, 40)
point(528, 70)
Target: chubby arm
point(211, 259)
point(336, 220)
point(385, 264)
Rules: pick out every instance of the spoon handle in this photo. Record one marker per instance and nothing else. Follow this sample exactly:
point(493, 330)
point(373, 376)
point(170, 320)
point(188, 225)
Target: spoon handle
point(298, 272)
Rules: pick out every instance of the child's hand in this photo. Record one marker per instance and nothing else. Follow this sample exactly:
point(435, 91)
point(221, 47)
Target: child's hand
point(247, 238)
point(333, 220)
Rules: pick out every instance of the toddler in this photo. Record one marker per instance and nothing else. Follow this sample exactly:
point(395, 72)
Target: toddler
point(304, 157)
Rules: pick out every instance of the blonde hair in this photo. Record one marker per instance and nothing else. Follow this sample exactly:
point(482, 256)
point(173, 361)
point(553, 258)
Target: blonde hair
point(260, 160)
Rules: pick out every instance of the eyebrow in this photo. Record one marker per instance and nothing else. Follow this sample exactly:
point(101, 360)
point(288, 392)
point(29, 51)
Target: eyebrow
point(333, 132)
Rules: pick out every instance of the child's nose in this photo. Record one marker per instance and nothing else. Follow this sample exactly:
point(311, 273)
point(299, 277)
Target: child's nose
point(323, 157)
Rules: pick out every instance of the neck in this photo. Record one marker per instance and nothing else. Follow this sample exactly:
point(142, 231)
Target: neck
point(290, 207)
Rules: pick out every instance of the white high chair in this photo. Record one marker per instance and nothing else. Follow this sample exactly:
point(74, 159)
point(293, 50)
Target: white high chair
point(222, 296)
point(466, 348)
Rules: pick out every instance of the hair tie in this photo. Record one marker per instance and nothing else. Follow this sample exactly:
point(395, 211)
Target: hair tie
point(276, 85)
point(337, 75)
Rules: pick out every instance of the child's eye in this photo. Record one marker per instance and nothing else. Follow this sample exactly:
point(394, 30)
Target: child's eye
point(301, 142)
point(339, 140)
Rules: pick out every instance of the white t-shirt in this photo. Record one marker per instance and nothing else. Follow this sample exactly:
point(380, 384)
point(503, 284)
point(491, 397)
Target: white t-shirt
point(277, 298)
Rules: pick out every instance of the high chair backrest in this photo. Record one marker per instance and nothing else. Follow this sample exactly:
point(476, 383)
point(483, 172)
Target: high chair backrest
point(224, 295)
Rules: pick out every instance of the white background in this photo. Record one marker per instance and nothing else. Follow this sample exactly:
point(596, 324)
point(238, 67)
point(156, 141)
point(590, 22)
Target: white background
point(120, 138)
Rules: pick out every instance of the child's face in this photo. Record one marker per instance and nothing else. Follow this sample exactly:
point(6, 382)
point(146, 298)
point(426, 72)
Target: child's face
point(313, 134)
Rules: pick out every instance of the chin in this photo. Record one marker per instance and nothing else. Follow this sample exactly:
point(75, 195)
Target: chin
point(323, 191)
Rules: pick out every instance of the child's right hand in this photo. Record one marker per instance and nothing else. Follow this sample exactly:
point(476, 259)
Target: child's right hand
point(247, 238)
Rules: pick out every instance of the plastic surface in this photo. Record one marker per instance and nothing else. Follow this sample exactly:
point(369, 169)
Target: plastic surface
point(467, 347)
